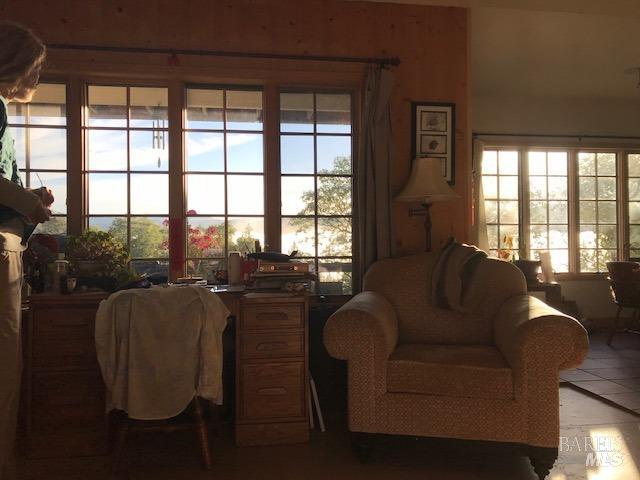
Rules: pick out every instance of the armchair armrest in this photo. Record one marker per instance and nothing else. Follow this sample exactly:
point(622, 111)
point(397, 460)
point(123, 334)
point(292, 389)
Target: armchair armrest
point(538, 341)
point(366, 321)
point(531, 334)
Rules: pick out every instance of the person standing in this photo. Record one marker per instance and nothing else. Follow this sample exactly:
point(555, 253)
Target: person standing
point(21, 57)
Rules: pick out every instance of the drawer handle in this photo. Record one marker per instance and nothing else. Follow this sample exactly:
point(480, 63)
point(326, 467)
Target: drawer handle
point(271, 346)
point(272, 391)
point(272, 316)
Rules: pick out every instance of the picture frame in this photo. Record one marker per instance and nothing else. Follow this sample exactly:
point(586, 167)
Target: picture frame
point(433, 134)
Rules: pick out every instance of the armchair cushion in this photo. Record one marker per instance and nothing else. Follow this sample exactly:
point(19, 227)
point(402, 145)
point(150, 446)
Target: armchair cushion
point(472, 371)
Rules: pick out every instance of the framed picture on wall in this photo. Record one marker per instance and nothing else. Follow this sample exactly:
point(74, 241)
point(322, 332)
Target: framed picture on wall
point(433, 134)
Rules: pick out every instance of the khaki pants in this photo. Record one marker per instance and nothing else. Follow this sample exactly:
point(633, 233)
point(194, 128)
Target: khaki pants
point(10, 356)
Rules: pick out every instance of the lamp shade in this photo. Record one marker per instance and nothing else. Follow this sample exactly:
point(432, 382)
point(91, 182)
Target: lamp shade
point(426, 183)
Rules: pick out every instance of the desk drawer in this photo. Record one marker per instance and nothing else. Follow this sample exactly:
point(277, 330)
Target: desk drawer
point(272, 390)
point(271, 345)
point(64, 323)
point(58, 352)
point(271, 316)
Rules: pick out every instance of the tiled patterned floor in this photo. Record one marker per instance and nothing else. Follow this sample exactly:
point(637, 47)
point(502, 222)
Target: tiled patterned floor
point(611, 372)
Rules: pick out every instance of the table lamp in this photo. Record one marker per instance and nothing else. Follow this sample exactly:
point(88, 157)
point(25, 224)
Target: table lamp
point(427, 185)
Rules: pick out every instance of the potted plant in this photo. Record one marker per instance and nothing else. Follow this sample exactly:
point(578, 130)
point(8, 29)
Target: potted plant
point(98, 259)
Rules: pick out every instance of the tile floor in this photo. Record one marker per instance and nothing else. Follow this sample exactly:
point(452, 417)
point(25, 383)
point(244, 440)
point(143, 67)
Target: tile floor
point(611, 372)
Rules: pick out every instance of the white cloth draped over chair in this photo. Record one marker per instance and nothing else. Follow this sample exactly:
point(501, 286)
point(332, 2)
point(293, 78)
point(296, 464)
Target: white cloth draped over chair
point(160, 347)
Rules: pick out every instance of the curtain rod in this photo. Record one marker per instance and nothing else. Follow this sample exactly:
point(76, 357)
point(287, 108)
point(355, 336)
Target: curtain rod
point(394, 61)
point(553, 135)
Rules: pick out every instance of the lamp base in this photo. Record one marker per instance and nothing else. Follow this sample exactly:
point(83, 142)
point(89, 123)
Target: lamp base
point(424, 211)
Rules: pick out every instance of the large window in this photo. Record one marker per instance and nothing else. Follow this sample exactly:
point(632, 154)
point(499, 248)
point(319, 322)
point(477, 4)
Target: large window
point(40, 132)
point(127, 169)
point(224, 172)
point(561, 200)
point(316, 186)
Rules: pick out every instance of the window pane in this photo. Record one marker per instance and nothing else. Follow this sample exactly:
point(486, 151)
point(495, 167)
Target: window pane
point(587, 212)
point(606, 188)
point(107, 150)
point(490, 186)
point(244, 110)
point(334, 113)
point(149, 107)
point(205, 194)
point(508, 187)
point(558, 212)
point(150, 267)
point(539, 237)
point(107, 106)
point(606, 212)
point(20, 144)
point(245, 194)
point(605, 256)
point(538, 187)
point(299, 234)
point(244, 153)
point(205, 109)
point(560, 260)
point(243, 233)
point(296, 112)
point(587, 187)
point(335, 276)
point(116, 226)
point(49, 105)
point(557, 163)
point(558, 236)
point(588, 236)
point(57, 182)
point(634, 236)
point(205, 268)
point(205, 236)
point(334, 196)
point(149, 194)
point(205, 151)
point(588, 260)
point(538, 212)
point(634, 189)
point(489, 162)
point(107, 193)
point(557, 188)
point(634, 164)
point(149, 150)
point(334, 237)
point(606, 164)
point(634, 212)
point(607, 237)
point(492, 233)
point(586, 163)
point(509, 212)
point(491, 211)
point(298, 196)
point(508, 162)
point(296, 154)
point(537, 163)
point(54, 226)
point(149, 237)
point(334, 155)
point(48, 148)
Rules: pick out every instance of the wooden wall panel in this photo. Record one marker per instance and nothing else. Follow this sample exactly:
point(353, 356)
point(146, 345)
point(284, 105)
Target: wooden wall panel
point(431, 43)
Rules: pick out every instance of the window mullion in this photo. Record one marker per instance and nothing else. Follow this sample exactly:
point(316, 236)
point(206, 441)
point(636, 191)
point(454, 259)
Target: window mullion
point(574, 204)
point(177, 181)
point(525, 227)
point(272, 193)
point(622, 204)
point(76, 184)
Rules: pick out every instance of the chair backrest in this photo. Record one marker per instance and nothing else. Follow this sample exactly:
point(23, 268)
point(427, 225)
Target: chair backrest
point(406, 283)
point(624, 280)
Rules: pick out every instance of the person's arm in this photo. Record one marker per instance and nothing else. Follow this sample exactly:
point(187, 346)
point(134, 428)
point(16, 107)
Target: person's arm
point(22, 201)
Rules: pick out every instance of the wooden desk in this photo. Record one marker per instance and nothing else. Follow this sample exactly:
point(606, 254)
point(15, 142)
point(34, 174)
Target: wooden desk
point(63, 402)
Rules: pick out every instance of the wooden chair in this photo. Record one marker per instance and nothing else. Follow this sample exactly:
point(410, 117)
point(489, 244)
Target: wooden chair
point(126, 425)
point(624, 281)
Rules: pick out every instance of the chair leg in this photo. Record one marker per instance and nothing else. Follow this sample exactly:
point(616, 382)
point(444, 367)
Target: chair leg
point(121, 441)
point(202, 433)
point(614, 327)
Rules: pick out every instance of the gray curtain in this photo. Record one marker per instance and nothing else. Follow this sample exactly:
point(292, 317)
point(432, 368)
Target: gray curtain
point(479, 231)
point(373, 173)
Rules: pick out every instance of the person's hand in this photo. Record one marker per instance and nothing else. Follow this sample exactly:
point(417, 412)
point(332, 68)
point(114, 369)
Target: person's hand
point(45, 195)
point(39, 214)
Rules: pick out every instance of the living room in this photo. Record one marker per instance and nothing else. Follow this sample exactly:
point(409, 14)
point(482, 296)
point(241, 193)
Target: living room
point(189, 131)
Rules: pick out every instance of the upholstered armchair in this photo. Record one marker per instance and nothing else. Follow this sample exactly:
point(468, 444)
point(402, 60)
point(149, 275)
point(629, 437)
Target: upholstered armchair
point(489, 373)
